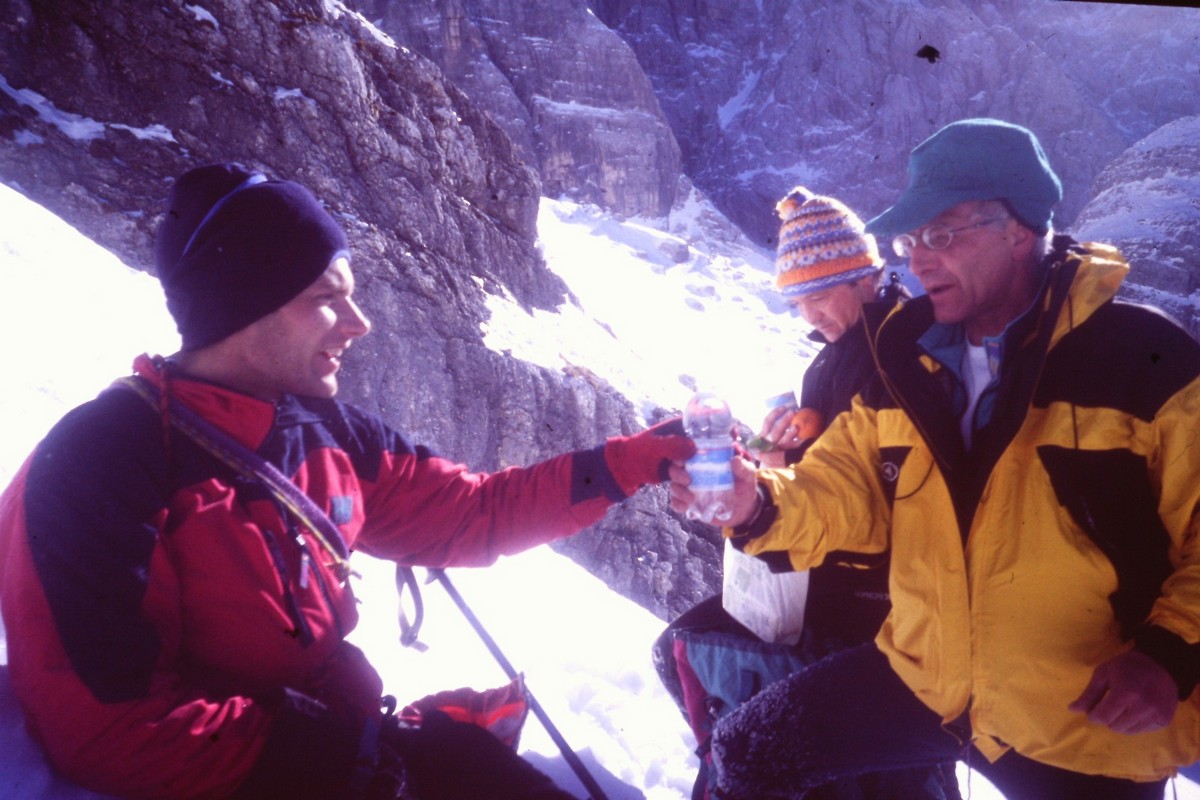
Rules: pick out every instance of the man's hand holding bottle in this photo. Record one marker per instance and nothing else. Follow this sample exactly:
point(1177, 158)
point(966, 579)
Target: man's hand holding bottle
point(745, 491)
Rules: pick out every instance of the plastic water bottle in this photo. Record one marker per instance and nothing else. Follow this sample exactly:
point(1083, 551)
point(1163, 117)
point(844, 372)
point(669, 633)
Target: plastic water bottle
point(709, 423)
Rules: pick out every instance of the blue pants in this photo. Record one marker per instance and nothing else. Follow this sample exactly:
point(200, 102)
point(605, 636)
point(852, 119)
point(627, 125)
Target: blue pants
point(849, 714)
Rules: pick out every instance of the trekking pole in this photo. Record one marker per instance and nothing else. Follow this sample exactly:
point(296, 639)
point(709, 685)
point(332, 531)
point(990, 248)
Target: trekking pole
point(572, 759)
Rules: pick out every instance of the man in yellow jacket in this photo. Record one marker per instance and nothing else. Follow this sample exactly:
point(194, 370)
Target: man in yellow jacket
point(1028, 451)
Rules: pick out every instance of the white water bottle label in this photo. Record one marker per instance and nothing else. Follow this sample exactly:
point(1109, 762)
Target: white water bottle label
point(711, 469)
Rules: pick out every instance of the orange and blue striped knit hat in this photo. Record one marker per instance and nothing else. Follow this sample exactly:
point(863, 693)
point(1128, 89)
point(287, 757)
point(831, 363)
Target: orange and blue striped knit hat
point(821, 244)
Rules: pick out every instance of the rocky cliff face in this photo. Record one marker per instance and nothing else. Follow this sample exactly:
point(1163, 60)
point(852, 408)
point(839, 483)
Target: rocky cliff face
point(1147, 203)
point(567, 90)
point(834, 95)
point(101, 106)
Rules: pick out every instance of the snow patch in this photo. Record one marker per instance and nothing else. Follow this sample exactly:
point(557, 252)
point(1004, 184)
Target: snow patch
point(202, 14)
point(658, 314)
point(75, 126)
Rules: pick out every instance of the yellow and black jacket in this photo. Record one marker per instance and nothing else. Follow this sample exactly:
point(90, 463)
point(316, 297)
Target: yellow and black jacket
point(1065, 536)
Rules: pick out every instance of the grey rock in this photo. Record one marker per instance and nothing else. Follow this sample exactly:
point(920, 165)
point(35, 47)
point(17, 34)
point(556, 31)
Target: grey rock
point(567, 90)
point(102, 105)
point(768, 95)
point(1147, 204)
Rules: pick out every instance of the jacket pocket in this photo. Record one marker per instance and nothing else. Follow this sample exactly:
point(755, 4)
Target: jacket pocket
point(1109, 496)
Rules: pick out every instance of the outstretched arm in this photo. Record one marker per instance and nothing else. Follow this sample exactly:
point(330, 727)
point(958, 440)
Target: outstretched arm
point(429, 511)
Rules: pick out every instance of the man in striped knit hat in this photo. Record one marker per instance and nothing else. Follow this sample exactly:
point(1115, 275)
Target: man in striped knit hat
point(829, 271)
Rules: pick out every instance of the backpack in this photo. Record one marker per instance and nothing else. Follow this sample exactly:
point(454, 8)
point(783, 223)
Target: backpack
point(710, 664)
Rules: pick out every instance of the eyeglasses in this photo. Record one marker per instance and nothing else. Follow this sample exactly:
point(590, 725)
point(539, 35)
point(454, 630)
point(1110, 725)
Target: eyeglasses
point(935, 237)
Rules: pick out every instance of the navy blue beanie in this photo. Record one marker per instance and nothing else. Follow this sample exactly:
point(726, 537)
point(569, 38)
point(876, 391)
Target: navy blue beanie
point(235, 246)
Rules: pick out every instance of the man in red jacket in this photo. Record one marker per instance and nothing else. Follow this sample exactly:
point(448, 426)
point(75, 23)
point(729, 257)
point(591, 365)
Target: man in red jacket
point(176, 629)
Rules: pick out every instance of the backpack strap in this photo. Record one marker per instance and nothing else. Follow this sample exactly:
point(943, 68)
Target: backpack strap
point(241, 458)
point(248, 463)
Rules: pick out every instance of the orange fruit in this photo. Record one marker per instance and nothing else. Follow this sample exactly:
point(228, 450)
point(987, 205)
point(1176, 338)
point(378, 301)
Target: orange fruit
point(808, 423)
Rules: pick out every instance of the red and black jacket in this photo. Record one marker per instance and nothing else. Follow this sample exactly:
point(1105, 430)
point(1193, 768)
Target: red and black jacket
point(173, 632)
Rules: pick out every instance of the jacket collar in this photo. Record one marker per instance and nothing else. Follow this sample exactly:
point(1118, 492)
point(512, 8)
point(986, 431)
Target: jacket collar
point(1079, 279)
point(1096, 272)
point(247, 419)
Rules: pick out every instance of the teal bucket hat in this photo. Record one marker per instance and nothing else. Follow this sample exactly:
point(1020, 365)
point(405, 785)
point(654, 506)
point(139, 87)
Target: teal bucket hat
point(974, 159)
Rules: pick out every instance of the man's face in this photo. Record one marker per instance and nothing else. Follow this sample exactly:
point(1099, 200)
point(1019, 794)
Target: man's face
point(831, 311)
point(298, 348)
point(981, 278)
